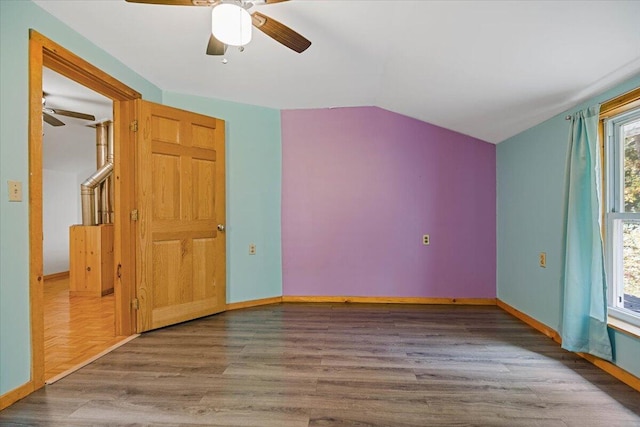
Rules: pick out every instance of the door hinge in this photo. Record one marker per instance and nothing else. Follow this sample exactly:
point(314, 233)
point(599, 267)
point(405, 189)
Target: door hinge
point(135, 304)
point(134, 215)
point(133, 126)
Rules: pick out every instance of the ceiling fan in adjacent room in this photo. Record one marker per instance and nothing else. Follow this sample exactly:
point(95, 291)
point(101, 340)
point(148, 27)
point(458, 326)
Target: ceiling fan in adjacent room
point(231, 24)
point(47, 114)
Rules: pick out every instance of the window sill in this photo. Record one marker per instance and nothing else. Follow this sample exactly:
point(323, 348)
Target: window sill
point(624, 327)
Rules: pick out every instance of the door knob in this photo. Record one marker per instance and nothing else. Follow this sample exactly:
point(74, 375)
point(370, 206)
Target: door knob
point(220, 227)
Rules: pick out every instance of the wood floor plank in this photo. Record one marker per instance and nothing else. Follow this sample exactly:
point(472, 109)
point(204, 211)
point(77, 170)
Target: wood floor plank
point(77, 328)
point(178, 413)
point(337, 365)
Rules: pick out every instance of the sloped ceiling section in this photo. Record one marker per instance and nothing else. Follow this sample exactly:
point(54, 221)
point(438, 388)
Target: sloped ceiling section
point(72, 147)
point(489, 69)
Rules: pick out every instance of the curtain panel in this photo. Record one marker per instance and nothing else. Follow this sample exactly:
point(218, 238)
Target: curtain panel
point(584, 317)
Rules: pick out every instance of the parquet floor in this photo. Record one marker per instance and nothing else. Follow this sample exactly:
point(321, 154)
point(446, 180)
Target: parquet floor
point(75, 328)
point(337, 365)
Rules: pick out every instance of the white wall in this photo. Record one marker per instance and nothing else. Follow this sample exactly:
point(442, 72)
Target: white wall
point(60, 203)
point(69, 158)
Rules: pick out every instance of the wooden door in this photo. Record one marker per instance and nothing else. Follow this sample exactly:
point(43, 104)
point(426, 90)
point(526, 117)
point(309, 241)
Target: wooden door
point(180, 260)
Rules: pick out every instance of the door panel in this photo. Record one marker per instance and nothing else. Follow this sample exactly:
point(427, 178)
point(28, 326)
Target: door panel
point(165, 176)
point(203, 137)
point(203, 172)
point(180, 193)
point(203, 273)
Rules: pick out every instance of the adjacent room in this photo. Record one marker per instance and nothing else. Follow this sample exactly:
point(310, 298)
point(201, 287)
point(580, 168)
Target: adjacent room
point(311, 212)
point(78, 276)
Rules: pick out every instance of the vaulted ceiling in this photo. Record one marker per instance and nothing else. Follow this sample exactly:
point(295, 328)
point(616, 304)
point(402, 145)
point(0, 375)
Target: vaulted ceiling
point(489, 69)
point(72, 147)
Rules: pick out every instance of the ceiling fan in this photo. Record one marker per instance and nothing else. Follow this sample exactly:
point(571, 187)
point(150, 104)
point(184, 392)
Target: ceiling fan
point(233, 16)
point(47, 114)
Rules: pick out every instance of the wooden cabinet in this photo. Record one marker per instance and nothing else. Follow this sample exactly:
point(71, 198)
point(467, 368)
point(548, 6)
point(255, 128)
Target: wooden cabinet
point(91, 260)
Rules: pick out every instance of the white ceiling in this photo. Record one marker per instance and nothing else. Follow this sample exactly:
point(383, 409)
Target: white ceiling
point(71, 148)
point(489, 69)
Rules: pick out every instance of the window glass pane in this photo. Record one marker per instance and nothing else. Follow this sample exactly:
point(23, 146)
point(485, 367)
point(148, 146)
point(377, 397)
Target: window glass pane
point(631, 261)
point(631, 140)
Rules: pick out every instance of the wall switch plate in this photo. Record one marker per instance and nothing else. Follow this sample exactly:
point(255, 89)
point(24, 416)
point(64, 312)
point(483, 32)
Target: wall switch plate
point(425, 240)
point(15, 191)
point(542, 258)
point(252, 248)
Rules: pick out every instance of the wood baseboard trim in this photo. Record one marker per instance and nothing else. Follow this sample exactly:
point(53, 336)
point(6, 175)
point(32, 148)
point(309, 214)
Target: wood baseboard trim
point(613, 370)
point(92, 294)
point(539, 326)
point(389, 300)
point(54, 276)
point(360, 300)
point(253, 303)
point(16, 394)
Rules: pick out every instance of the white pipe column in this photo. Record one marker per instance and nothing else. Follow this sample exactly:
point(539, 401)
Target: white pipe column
point(110, 183)
point(92, 185)
point(102, 137)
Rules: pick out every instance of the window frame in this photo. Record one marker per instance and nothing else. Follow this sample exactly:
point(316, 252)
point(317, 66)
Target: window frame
point(613, 114)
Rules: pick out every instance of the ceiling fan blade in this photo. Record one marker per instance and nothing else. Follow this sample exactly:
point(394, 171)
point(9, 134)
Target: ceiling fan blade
point(51, 120)
point(173, 2)
point(73, 114)
point(280, 32)
point(215, 46)
point(273, 1)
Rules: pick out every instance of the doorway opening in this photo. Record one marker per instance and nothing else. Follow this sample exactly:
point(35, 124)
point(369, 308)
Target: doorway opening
point(79, 304)
point(44, 53)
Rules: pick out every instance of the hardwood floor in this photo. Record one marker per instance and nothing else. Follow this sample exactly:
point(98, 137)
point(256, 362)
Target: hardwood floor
point(75, 328)
point(337, 365)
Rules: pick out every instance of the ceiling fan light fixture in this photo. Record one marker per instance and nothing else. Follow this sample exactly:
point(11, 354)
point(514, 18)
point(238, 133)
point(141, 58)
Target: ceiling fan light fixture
point(231, 24)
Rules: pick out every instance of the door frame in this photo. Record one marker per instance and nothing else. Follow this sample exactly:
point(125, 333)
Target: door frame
point(43, 52)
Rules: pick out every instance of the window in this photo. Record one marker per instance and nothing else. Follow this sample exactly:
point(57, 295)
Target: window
point(622, 217)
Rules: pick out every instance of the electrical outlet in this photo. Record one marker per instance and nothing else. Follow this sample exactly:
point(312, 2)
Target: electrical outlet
point(542, 258)
point(15, 191)
point(252, 248)
point(425, 240)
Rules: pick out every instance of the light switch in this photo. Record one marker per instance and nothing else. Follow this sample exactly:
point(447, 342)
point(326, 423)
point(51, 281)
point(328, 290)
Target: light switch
point(15, 191)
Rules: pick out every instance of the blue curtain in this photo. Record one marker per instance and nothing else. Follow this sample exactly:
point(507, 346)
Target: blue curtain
point(584, 318)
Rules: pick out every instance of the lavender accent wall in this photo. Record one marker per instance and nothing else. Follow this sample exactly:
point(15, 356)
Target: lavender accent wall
point(360, 186)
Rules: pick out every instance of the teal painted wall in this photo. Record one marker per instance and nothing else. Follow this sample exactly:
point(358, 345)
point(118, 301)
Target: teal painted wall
point(16, 17)
point(531, 170)
point(254, 176)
